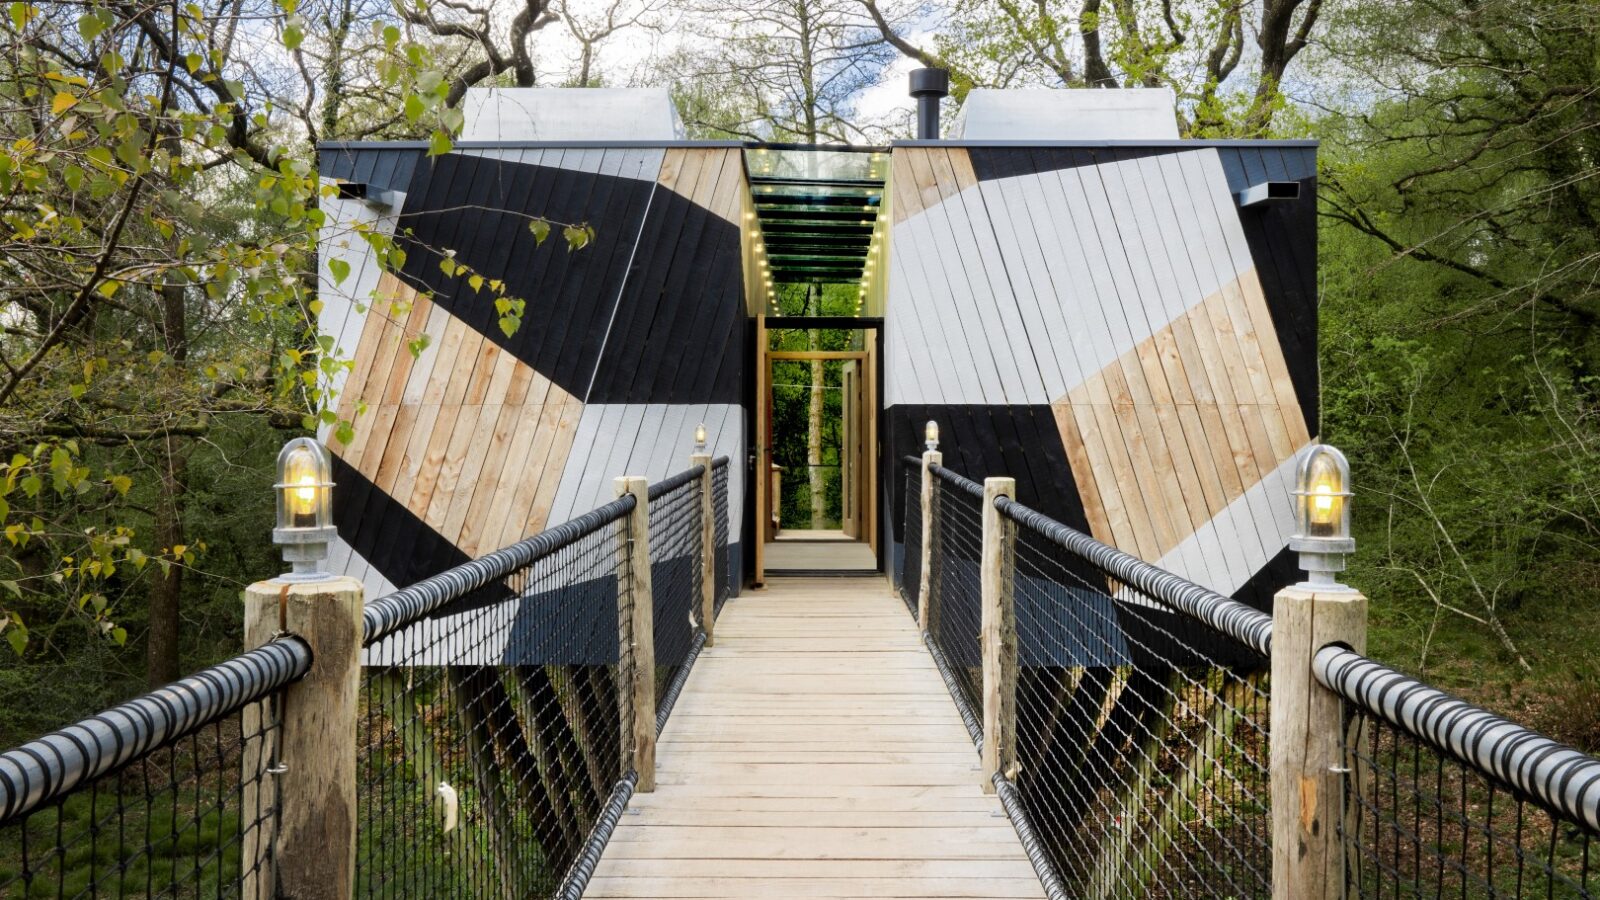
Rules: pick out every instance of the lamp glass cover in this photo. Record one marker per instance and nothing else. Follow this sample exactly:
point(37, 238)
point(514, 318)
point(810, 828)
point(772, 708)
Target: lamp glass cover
point(305, 485)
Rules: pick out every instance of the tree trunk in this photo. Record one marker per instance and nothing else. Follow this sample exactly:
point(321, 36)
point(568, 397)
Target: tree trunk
point(166, 589)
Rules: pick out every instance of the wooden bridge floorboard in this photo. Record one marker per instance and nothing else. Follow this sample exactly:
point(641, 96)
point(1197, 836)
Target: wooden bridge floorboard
point(815, 753)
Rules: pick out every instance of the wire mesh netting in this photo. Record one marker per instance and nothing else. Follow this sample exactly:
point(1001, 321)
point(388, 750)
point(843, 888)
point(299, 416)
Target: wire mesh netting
point(1444, 798)
point(675, 574)
point(169, 795)
point(910, 575)
point(490, 734)
point(955, 600)
point(1141, 732)
point(723, 559)
point(1419, 823)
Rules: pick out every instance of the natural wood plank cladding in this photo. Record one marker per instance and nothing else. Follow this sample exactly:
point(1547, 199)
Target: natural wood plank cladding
point(815, 753)
point(709, 177)
point(465, 436)
point(923, 177)
point(1180, 426)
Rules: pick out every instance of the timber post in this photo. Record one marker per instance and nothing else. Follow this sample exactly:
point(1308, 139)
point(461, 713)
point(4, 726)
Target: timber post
point(930, 458)
point(310, 761)
point(636, 660)
point(708, 548)
point(997, 570)
point(1307, 762)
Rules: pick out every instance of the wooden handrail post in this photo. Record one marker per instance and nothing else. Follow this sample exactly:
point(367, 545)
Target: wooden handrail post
point(310, 760)
point(999, 635)
point(636, 659)
point(930, 458)
point(708, 548)
point(1306, 758)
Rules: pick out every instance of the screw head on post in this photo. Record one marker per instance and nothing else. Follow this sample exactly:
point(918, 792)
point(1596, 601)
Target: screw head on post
point(930, 435)
point(1322, 512)
point(305, 509)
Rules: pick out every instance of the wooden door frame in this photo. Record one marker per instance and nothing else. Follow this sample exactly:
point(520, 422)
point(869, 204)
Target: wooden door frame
point(872, 412)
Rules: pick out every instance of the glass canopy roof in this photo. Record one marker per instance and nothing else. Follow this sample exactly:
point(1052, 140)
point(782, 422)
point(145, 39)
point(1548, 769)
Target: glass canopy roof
point(817, 208)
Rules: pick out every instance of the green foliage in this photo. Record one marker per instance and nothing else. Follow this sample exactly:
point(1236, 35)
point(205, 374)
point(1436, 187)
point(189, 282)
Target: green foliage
point(1460, 349)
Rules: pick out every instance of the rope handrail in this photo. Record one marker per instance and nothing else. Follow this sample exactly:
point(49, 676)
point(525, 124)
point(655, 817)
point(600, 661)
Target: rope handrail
point(1560, 778)
point(673, 482)
point(58, 763)
point(390, 613)
point(957, 480)
point(1243, 623)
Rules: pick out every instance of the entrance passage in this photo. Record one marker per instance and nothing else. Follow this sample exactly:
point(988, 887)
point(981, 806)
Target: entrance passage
point(818, 509)
point(817, 222)
point(815, 752)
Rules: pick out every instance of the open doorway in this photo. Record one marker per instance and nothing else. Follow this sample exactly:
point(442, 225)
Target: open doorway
point(815, 227)
point(817, 505)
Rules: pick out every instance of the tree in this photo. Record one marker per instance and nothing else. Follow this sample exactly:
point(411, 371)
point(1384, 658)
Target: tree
point(1195, 48)
point(1462, 260)
point(159, 285)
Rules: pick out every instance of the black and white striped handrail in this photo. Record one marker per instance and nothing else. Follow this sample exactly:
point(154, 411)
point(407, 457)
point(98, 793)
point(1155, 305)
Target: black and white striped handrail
point(961, 482)
point(1234, 619)
point(51, 767)
point(1558, 777)
point(390, 613)
point(673, 482)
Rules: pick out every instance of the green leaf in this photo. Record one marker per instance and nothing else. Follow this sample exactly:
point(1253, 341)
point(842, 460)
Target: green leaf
point(18, 638)
point(439, 144)
point(91, 25)
point(340, 270)
point(414, 108)
point(32, 485)
point(121, 483)
point(16, 591)
point(120, 635)
point(540, 229)
point(293, 37)
point(510, 324)
point(578, 236)
point(447, 266)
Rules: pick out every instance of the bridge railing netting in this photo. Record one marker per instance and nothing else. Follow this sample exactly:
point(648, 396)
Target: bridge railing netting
point(165, 795)
point(491, 743)
point(489, 733)
point(1141, 739)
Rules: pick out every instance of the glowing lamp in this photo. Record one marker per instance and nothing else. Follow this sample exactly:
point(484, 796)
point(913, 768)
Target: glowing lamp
point(700, 438)
point(930, 435)
point(1322, 513)
point(305, 508)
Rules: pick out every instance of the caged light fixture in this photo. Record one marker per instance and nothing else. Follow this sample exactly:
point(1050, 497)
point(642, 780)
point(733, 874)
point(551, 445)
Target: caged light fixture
point(700, 438)
point(1322, 514)
point(305, 509)
point(930, 435)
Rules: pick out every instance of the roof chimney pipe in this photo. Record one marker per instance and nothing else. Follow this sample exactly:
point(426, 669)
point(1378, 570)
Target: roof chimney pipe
point(929, 86)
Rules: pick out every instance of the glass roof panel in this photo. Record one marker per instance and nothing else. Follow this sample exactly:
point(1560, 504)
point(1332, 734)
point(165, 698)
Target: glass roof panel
point(817, 209)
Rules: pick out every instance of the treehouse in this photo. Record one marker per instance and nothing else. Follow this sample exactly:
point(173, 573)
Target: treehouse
point(1123, 320)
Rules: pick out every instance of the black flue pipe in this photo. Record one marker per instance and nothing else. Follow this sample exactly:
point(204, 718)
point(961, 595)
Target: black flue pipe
point(929, 86)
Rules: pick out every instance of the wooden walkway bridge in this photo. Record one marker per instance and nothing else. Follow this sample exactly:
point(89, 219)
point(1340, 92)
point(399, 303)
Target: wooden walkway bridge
point(815, 752)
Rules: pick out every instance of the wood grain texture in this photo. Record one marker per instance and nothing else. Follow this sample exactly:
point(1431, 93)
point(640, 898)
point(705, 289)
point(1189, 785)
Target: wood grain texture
point(835, 766)
point(464, 435)
point(1181, 427)
point(1306, 752)
point(316, 828)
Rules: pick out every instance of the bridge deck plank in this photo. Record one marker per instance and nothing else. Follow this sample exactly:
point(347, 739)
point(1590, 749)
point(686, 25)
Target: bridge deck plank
point(815, 753)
